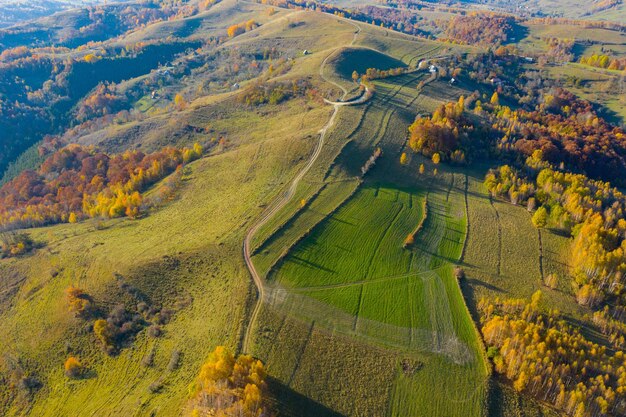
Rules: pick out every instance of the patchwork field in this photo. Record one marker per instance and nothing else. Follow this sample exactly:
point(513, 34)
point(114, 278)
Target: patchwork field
point(354, 319)
point(342, 277)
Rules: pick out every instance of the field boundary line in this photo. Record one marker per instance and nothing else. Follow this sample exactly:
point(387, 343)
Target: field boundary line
point(365, 281)
point(499, 264)
point(541, 273)
point(284, 225)
point(296, 365)
point(467, 220)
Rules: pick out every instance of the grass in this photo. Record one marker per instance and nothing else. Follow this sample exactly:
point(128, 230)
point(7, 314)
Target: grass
point(347, 281)
point(190, 248)
point(359, 60)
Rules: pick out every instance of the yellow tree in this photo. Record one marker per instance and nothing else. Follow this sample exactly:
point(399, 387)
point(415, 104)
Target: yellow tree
point(179, 102)
point(250, 24)
point(521, 382)
point(91, 58)
point(73, 367)
point(460, 105)
point(540, 218)
point(436, 158)
point(422, 169)
point(403, 158)
point(495, 99)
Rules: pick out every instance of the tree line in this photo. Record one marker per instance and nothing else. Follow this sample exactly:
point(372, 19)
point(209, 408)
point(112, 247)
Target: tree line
point(604, 61)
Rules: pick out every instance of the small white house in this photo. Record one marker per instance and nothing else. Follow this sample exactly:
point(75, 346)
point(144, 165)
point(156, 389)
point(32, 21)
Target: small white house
point(432, 69)
point(452, 80)
point(305, 52)
point(235, 86)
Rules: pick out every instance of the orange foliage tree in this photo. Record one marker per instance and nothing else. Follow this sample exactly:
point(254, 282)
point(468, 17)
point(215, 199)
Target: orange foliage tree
point(79, 302)
point(73, 367)
point(230, 386)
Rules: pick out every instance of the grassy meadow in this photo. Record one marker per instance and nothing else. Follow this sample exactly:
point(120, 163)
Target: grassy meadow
point(354, 322)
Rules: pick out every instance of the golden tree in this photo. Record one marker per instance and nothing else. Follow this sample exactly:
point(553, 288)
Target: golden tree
point(495, 99)
point(229, 386)
point(73, 367)
point(179, 102)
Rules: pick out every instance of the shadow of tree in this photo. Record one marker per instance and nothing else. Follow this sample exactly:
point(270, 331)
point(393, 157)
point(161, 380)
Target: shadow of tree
point(290, 403)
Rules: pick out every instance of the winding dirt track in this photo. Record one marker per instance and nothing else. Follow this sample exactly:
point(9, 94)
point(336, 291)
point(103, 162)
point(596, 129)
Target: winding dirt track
point(360, 100)
point(284, 198)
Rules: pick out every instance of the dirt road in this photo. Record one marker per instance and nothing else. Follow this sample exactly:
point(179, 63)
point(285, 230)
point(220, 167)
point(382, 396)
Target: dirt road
point(284, 198)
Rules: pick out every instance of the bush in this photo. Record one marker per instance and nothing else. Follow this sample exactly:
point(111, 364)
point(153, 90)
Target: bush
point(459, 273)
point(15, 244)
point(174, 360)
point(79, 302)
point(73, 367)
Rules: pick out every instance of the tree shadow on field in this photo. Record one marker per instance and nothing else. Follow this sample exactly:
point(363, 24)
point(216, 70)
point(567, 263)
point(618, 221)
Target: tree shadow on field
point(289, 403)
point(304, 262)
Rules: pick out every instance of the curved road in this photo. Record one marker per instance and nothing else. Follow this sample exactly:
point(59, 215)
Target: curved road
point(359, 100)
point(283, 199)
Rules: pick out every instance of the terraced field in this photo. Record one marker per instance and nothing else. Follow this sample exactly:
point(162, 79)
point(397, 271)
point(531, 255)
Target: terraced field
point(339, 276)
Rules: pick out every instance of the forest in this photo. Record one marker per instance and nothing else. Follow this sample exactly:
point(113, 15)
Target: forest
point(480, 28)
point(77, 182)
point(551, 360)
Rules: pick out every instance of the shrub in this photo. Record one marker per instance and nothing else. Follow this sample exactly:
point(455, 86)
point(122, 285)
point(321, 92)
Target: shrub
point(79, 302)
point(15, 244)
point(73, 367)
point(105, 334)
point(459, 273)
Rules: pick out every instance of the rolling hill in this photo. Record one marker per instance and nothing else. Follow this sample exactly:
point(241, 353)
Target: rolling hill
point(310, 229)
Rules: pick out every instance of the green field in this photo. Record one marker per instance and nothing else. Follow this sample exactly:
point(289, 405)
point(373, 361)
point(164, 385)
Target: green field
point(351, 276)
point(346, 280)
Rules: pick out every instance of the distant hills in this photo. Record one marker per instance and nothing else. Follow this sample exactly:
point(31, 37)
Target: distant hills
point(16, 11)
